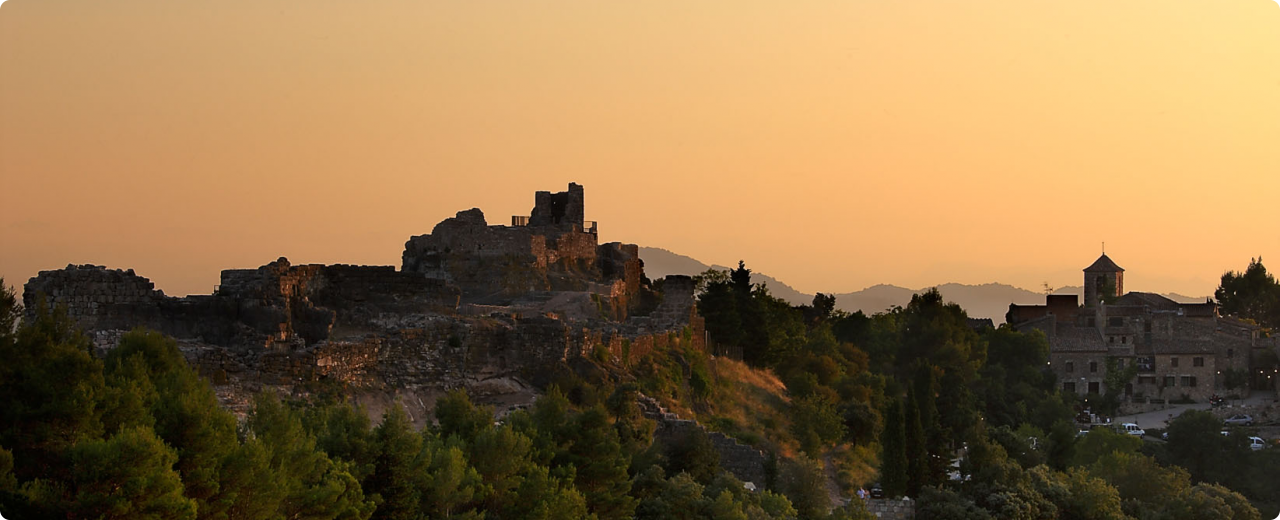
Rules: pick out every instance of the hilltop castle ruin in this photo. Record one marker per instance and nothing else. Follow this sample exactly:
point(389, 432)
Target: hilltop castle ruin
point(477, 306)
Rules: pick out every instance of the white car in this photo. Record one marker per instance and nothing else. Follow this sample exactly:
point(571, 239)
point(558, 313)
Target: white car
point(1256, 443)
point(1132, 429)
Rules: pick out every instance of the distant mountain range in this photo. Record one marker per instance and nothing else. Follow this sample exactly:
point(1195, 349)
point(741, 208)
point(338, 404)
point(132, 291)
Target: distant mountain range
point(989, 300)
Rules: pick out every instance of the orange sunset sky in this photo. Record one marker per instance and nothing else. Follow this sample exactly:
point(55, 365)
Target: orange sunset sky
point(833, 144)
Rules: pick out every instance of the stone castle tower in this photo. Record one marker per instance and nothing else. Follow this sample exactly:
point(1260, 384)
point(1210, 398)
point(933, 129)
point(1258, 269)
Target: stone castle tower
point(1103, 275)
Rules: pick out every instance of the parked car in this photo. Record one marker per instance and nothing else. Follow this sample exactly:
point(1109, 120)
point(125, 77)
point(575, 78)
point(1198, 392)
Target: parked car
point(877, 491)
point(1239, 420)
point(1132, 429)
point(1256, 443)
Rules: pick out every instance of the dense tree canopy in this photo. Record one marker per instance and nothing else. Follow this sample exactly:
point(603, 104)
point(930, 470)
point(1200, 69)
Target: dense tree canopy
point(1253, 294)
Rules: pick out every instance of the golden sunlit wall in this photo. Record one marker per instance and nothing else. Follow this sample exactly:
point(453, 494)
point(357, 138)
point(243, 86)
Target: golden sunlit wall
point(832, 144)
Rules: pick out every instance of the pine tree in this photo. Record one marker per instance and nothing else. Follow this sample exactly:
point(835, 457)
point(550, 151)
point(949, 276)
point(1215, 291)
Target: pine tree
point(397, 467)
point(313, 485)
point(458, 416)
point(601, 467)
point(129, 476)
point(50, 385)
point(147, 373)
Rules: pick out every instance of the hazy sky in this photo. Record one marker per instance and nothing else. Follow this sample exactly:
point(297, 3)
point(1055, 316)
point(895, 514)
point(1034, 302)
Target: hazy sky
point(834, 144)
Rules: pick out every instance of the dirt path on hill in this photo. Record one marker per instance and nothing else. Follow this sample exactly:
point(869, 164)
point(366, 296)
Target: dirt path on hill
point(833, 486)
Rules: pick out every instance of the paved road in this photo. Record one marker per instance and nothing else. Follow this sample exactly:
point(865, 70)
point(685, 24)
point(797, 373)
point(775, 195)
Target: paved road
point(1161, 418)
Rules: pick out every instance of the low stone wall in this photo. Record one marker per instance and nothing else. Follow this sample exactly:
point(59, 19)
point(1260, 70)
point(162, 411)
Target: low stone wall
point(892, 509)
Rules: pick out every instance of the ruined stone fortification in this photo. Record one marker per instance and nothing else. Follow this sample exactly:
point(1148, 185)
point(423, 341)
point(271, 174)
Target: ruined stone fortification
point(743, 461)
point(486, 308)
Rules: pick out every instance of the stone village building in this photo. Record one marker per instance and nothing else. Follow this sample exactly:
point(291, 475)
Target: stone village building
point(1180, 350)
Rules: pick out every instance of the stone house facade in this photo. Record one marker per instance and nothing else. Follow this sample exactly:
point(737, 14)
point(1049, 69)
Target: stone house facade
point(1180, 350)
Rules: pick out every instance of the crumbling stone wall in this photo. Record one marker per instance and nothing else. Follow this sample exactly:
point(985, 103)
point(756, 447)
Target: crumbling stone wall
point(744, 462)
point(89, 292)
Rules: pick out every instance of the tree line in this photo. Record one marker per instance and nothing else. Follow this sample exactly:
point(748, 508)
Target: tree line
point(971, 420)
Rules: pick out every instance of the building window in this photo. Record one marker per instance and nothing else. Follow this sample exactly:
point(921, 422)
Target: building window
point(1169, 381)
point(1111, 339)
point(1231, 353)
point(1093, 388)
point(1188, 380)
point(1071, 366)
point(1197, 361)
point(1069, 387)
point(1124, 339)
point(1173, 362)
point(1093, 367)
point(1146, 327)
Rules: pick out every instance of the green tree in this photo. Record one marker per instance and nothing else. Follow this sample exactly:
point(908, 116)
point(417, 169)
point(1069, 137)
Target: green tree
point(544, 497)
point(249, 489)
point(917, 450)
point(1144, 485)
point(50, 385)
point(635, 432)
point(600, 466)
point(816, 421)
point(936, 502)
point(453, 486)
point(129, 476)
point(1240, 507)
point(458, 416)
point(312, 485)
point(151, 377)
point(691, 452)
point(398, 467)
point(1253, 294)
point(343, 431)
point(1078, 495)
point(804, 482)
point(1196, 444)
point(1115, 380)
point(894, 466)
point(1235, 378)
point(679, 497)
point(1103, 441)
point(503, 457)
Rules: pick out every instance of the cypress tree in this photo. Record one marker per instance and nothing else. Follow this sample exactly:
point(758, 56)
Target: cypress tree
point(917, 452)
point(939, 450)
point(893, 463)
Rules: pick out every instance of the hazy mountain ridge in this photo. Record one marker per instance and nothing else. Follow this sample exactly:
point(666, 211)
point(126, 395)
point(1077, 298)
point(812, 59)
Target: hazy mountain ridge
point(990, 300)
